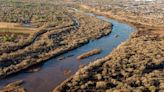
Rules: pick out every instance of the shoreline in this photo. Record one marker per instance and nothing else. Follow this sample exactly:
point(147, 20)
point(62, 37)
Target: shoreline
point(139, 26)
point(78, 76)
point(101, 73)
point(134, 35)
point(106, 27)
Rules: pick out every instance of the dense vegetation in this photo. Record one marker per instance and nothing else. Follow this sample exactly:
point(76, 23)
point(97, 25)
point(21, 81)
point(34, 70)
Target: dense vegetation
point(137, 64)
point(13, 87)
point(8, 38)
point(70, 31)
point(37, 16)
point(35, 13)
point(149, 13)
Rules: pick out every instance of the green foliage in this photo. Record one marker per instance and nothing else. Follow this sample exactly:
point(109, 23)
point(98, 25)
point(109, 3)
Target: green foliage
point(8, 38)
point(152, 88)
point(36, 13)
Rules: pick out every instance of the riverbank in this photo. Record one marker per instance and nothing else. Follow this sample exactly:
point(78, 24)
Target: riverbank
point(140, 60)
point(137, 21)
point(136, 64)
point(71, 64)
point(110, 73)
point(54, 43)
point(13, 87)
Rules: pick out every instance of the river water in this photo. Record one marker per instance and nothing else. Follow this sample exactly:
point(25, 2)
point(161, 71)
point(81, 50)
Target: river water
point(55, 70)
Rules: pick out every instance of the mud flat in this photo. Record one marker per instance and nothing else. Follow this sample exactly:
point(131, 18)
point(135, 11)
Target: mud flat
point(90, 53)
point(136, 64)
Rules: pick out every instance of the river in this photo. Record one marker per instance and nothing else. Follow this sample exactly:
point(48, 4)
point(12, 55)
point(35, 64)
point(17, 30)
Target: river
point(52, 71)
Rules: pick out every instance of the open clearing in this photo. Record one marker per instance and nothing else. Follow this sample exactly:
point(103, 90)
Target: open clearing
point(16, 27)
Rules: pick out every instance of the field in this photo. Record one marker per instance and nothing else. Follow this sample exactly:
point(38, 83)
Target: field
point(34, 31)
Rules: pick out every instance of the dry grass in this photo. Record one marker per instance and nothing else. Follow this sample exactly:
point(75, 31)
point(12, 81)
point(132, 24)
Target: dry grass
point(13, 87)
point(16, 27)
point(159, 31)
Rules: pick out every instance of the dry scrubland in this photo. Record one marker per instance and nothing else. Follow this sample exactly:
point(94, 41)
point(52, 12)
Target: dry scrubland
point(144, 15)
point(13, 87)
point(136, 65)
point(38, 16)
point(60, 31)
point(149, 13)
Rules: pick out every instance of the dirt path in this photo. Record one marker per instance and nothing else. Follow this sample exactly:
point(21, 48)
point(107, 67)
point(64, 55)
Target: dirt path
point(16, 27)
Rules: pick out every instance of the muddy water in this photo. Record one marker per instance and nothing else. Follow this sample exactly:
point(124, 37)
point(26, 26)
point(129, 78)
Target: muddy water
point(56, 70)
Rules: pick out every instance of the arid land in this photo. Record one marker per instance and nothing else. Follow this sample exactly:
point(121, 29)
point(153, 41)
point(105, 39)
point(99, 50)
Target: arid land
point(135, 65)
point(52, 38)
